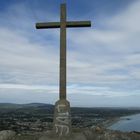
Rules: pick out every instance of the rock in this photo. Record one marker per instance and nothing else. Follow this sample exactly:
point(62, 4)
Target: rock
point(104, 134)
point(73, 136)
point(98, 129)
point(7, 135)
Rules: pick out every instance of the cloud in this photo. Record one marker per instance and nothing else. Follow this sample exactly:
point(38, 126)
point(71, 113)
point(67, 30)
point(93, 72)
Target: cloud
point(103, 63)
point(25, 60)
point(96, 96)
point(129, 20)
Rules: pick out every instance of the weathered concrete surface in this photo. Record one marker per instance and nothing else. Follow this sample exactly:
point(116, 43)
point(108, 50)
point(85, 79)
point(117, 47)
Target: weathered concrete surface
point(62, 119)
point(7, 134)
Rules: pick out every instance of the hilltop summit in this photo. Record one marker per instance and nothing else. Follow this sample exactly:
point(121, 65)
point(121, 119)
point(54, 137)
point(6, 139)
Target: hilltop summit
point(79, 134)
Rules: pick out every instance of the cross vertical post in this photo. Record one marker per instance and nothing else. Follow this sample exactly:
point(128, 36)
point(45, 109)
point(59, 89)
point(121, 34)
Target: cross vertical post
point(62, 90)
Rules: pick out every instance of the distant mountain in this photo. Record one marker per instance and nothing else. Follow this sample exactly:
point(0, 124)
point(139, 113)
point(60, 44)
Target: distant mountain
point(9, 106)
point(37, 105)
point(16, 106)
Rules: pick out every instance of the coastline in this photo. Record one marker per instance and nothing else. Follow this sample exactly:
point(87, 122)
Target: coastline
point(123, 127)
point(111, 121)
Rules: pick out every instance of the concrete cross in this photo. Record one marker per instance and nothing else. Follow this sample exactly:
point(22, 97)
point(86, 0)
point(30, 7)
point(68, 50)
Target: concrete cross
point(63, 24)
point(62, 107)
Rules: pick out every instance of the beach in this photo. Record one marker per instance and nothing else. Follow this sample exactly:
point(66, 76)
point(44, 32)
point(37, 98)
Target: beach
point(126, 124)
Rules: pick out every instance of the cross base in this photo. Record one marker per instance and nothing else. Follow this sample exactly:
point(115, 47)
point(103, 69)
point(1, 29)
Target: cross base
point(62, 118)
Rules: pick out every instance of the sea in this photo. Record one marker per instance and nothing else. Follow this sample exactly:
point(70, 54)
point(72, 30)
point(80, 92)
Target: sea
point(127, 124)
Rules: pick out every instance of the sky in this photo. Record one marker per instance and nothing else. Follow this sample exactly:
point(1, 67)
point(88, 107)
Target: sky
point(103, 62)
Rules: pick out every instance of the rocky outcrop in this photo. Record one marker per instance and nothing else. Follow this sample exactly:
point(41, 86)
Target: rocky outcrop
point(94, 134)
point(7, 135)
point(88, 134)
point(104, 134)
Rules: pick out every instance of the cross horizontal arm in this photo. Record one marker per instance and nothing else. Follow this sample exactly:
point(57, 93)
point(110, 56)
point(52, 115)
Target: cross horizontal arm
point(69, 24)
point(47, 25)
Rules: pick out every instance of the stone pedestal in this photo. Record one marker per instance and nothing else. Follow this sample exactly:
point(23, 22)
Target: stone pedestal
point(62, 119)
